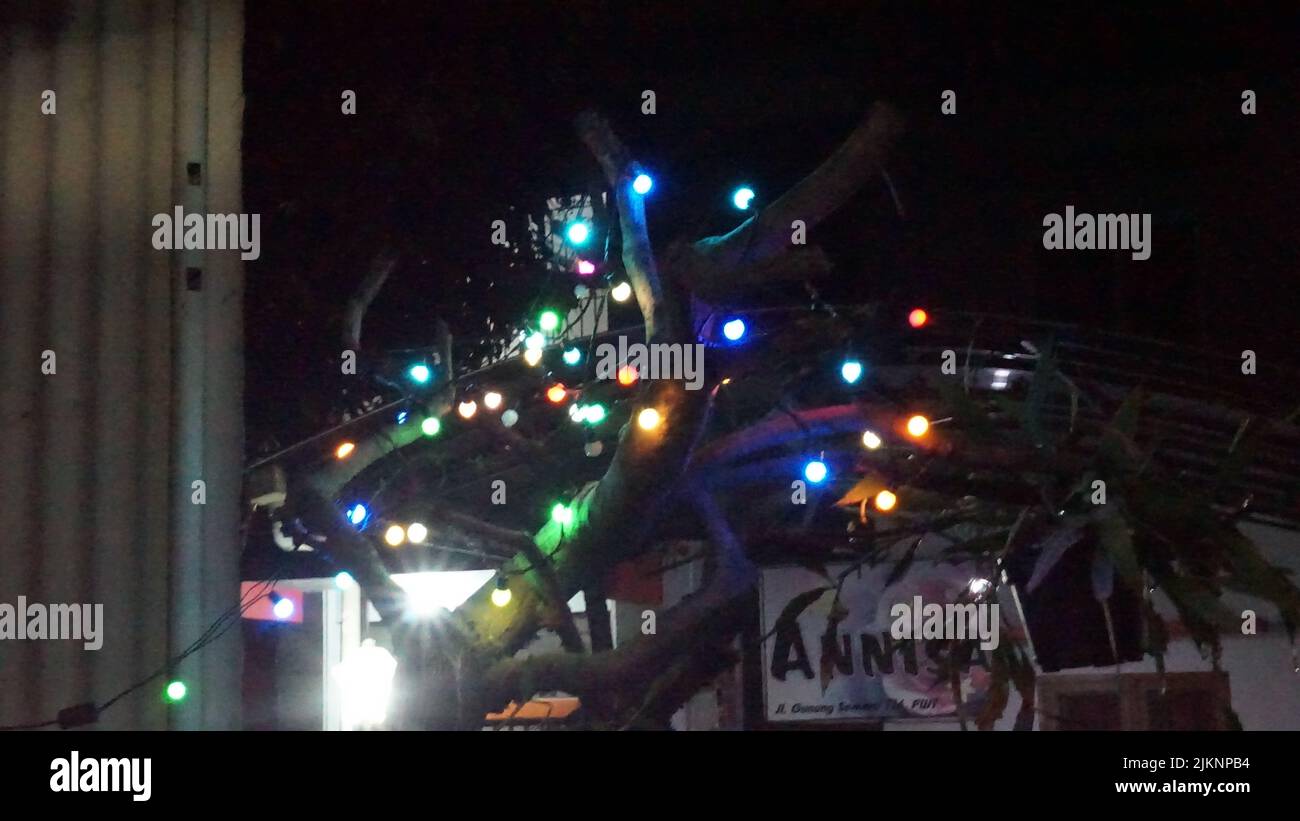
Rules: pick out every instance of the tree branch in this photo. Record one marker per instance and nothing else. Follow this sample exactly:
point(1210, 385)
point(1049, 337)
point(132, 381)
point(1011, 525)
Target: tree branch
point(382, 265)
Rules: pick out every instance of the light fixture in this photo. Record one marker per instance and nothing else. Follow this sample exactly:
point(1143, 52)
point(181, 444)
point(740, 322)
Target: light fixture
point(572, 356)
point(492, 400)
point(917, 426)
point(344, 450)
point(401, 417)
point(627, 376)
point(886, 501)
point(532, 356)
point(430, 426)
point(578, 233)
point(870, 440)
point(979, 588)
point(742, 197)
point(851, 371)
point(416, 533)
point(642, 184)
point(535, 341)
point(357, 513)
point(734, 329)
point(586, 267)
point(815, 471)
point(562, 514)
point(501, 595)
point(467, 409)
point(343, 580)
point(510, 417)
point(621, 292)
point(556, 393)
point(917, 317)
point(281, 606)
point(548, 321)
point(395, 535)
point(365, 682)
point(594, 414)
point(648, 419)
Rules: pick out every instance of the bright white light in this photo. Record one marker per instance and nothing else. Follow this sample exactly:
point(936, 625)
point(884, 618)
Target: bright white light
point(344, 581)
point(283, 609)
point(532, 356)
point(642, 184)
point(742, 198)
point(870, 440)
point(980, 587)
point(417, 532)
point(365, 680)
point(492, 400)
point(430, 591)
point(621, 292)
point(1000, 379)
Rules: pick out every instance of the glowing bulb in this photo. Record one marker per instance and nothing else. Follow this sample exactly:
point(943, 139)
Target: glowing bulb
point(357, 513)
point(395, 535)
point(401, 417)
point(344, 450)
point(176, 690)
point(492, 400)
point(851, 371)
point(501, 596)
point(572, 356)
point(282, 608)
point(742, 197)
point(416, 533)
point(562, 514)
point(430, 426)
point(577, 412)
point(535, 342)
point(467, 409)
point(815, 471)
point(578, 233)
point(420, 373)
point(979, 588)
point(595, 414)
point(917, 426)
point(870, 440)
point(586, 268)
point(532, 356)
point(556, 393)
point(548, 321)
point(642, 184)
point(917, 317)
point(886, 501)
point(648, 419)
point(344, 581)
point(734, 329)
point(510, 417)
point(621, 292)
point(627, 376)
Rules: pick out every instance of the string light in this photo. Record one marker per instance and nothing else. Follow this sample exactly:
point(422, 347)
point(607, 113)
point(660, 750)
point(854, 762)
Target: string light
point(176, 691)
point(281, 606)
point(395, 535)
point(621, 292)
point(419, 373)
point(562, 514)
point(510, 417)
point(357, 513)
point(401, 417)
point(627, 376)
point(416, 533)
point(851, 371)
point(917, 317)
point(535, 341)
point(815, 471)
point(594, 414)
point(586, 267)
point(734, 329)
point(886, 501)
point(870, 440)
point(556, 393)
point(548, 321)
point(467, 409)
point(917, 426)
point(578, 233)
point(642, 184)
point(572, 356)
point(344, 581)
point(532, 356)
point(742, 197)
point(430, 426)
point(492, 400)
point(648, 419)
point(344, 450)
point(501, 595)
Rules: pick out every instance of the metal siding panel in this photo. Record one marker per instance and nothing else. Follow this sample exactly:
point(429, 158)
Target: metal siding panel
point(88, 461)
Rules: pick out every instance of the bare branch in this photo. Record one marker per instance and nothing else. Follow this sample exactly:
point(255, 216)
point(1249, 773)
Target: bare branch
point(382, 265)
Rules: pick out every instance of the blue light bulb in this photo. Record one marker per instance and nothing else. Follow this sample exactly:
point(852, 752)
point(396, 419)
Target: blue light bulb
point(815, 471)
point(851, 371)
point(642, 184)
point(734, 329)
point(742, 198)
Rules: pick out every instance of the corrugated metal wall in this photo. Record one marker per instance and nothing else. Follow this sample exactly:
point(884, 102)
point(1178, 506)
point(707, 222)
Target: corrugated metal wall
point(98, 457)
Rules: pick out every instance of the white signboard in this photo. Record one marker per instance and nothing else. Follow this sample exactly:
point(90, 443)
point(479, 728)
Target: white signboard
point(857, 669)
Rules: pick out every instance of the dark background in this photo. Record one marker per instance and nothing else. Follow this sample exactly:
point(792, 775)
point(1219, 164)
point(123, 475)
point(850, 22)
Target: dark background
point(464, 111)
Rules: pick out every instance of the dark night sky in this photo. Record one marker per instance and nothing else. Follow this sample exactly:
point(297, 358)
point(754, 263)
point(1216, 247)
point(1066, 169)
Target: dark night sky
point(465, 110)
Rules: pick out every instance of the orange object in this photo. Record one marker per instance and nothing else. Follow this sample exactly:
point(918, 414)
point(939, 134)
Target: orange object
point(917, 317)
point(556, 393)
